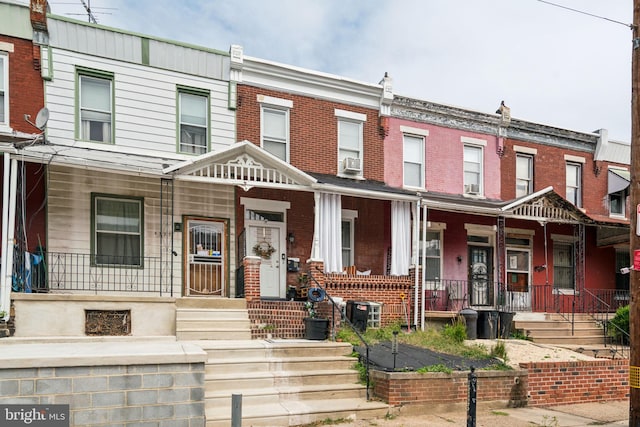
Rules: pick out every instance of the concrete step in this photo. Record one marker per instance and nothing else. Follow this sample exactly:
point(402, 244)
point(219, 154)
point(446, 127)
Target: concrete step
point(296, 412)
point(565, 340)
point(243, 380)
point(223, 366)
point(234, 349)
point(205, 325)
point(211, 302)
point(213, 314)
point(547, 332)
point(213, 334)
point(552, 324)
point(260, 396)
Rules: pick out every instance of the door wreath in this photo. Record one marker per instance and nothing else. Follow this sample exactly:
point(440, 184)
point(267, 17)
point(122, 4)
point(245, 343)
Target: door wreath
point(263, 249)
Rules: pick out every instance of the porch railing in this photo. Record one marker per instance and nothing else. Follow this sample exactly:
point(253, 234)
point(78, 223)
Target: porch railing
point(88, 272)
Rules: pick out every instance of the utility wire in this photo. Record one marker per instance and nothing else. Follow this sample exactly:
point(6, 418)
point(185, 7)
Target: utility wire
point(587, 13)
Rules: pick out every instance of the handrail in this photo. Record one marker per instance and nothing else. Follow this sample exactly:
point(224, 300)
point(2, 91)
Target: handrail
point(343, 317)
point(591, 311)
point(624, 337)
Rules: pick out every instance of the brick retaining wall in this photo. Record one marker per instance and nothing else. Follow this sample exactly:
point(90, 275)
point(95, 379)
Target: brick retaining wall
point(561, 383)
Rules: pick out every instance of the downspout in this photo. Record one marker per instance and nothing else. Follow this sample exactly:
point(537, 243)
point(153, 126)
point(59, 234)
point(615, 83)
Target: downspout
point(315, 247)
point(9, 237)
point(416, 224)
point(546, 255)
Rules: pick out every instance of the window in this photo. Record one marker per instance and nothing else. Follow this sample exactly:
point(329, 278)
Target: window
point(617, 203)
point(563, 265)
point(275, 132)
point(348, 222)
point(350, 129)
point(574, 181)
point(413, 154)
point(193, 111)
point(96, 105)
point(524, 175)
point(4, 90)
point(117, 233)
point(472, 169)
point(433, 255)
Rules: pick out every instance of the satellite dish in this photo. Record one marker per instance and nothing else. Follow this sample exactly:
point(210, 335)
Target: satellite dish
point(42, 118)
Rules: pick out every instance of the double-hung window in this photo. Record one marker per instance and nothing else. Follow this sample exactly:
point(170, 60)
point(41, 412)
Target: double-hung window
point(563, 265)
point(473, 169)
point(524, 174)
point(4, 90)
point(413, 158)
point(193, 114)
point(117, 230)
point(274, 125)
point(574, 183)
point(95, 105)
point(618, 189)
point(348, 229)
point(350, 131)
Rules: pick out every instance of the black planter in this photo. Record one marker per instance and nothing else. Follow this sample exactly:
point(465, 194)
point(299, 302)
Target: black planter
point(316, 328)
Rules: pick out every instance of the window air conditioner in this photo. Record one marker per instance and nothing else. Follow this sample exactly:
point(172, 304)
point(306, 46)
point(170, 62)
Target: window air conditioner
point(351, 165)
point(472, 189)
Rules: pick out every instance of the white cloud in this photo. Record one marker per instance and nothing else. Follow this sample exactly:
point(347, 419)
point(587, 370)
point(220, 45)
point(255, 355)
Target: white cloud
point(549, 64)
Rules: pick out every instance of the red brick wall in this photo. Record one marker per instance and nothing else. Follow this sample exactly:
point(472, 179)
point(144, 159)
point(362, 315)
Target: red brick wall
point(561, 383)
point(411, 388)
point(313, 131)
point(549, 170)
point(26, 90)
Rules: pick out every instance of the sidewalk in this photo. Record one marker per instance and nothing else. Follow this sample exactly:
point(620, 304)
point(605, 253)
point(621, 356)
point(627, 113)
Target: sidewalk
point(610, 414)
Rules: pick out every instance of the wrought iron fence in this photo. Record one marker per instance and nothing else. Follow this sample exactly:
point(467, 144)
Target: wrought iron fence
point(88, 272)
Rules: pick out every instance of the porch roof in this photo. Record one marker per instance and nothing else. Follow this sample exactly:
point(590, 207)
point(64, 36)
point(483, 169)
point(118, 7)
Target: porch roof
point(243, 164)
point(361, 188)
point(546, 206)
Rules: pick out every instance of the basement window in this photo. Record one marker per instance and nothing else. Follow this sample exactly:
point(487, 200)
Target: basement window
point(107, 322)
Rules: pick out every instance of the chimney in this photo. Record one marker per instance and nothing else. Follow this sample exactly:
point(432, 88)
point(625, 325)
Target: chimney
point(39, 9)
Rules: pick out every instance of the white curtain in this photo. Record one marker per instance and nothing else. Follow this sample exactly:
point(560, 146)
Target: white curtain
point(331, 232)
point(400, 237)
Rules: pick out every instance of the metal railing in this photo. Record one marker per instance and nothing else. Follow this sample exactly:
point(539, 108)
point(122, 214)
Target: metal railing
point(89, 272)
point(344, 318)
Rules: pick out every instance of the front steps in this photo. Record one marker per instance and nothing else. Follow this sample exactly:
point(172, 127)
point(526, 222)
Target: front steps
point(551, 328)
point(284, 382)
point(212, 319)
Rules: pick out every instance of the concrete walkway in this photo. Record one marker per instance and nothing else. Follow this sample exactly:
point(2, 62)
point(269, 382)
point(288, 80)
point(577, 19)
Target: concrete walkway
point(614, 413)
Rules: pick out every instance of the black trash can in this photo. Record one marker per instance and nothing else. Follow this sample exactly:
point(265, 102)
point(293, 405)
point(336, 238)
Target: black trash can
point(471, 320)
point(358, 314)
point(505, 319)
point(487, 324)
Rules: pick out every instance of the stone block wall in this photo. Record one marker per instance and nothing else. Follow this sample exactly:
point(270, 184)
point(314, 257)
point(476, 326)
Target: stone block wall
point(118, 395)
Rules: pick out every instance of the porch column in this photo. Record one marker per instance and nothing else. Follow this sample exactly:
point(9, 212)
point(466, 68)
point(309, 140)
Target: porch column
point(251, 266)
point(10, 184)
point(315, 247)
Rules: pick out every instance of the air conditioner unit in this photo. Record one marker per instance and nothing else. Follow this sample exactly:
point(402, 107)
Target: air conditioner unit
point(472, 189)
point(351, 165)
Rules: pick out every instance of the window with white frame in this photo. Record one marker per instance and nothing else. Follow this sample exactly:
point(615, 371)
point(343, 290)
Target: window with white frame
point(574, 183)
point(617, 202)
point(350, 142)
point(193, 113)
point(95, 105)
point(433, 255)
point(524, 174)
point(473, 155)
point(275, 132)
point(348, 229)
point(4, 89)
point(563, 265)
point(413, 165)
point(117, 230)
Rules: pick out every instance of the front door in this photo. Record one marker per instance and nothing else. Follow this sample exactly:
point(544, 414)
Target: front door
point(266, 241)
point(518, 279)
point(205, 257)
point(480, 275)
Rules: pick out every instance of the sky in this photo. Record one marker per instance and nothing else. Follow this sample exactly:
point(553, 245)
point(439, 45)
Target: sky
point(549, 64)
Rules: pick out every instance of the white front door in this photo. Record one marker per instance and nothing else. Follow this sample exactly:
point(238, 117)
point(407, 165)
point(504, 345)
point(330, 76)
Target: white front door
point(266, 241)
point(518, 279)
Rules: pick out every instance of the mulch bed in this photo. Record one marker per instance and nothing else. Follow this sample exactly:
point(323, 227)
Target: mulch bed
point(412, 358)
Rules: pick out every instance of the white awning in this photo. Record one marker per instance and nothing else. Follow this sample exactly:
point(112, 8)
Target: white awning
point(619, 180)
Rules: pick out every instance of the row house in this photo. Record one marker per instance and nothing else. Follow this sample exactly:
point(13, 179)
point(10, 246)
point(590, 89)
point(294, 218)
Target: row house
point(168, 172)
